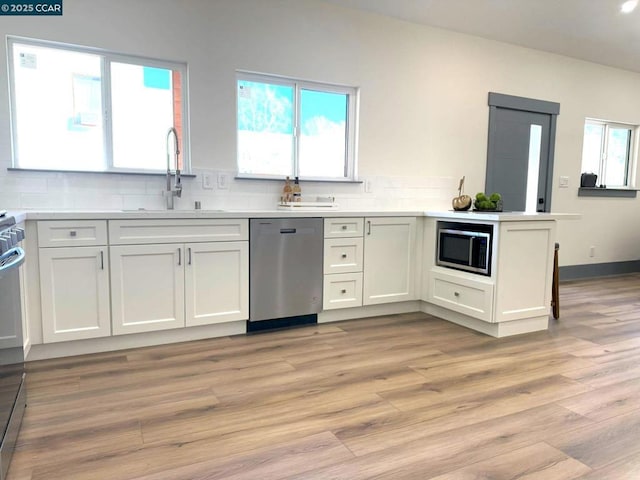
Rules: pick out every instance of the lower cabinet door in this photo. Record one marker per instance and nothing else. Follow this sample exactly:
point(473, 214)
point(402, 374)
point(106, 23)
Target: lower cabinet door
point(216, 282)
point(147, 287)
point(342, 290)
point(74, 289)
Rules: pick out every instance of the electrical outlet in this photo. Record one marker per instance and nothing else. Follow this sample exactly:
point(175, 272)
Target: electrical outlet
point(223, 181)
point(564, 182)
point(592, 251)
point(207, 181)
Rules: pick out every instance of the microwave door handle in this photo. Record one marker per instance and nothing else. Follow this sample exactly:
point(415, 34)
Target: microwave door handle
point(471, 251)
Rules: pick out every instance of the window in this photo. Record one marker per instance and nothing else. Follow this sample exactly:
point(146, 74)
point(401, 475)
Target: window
point(300, 129)
point(80, 109)
point(607, 151)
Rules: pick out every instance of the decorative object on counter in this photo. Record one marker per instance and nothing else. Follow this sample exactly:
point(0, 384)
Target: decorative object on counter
point(492, 203)
point(461, 202)
point(297, 191)
point(320, 203)
point(287, 191)
point(588, 180)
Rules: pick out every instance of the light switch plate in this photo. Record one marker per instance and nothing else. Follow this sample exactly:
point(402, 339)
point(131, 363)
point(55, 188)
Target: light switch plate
point(207, 181)
point(223, 181)
point(564, 182)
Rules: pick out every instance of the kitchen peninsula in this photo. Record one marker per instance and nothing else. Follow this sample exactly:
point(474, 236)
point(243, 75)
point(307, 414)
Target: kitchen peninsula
point(376, 263)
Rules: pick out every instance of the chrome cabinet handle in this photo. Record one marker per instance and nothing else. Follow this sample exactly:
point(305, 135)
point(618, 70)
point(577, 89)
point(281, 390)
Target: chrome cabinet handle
point(343, 291)
point(189, 250)
point(179, 256)
point(344, 227)
point(368, 227)
point(344, 255)
point(101, 259)
point(73, 233)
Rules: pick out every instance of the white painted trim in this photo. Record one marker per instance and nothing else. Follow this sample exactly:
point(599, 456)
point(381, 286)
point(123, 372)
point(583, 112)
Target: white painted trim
point(135, 340)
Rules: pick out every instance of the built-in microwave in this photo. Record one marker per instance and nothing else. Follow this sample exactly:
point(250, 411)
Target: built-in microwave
point(464, 246)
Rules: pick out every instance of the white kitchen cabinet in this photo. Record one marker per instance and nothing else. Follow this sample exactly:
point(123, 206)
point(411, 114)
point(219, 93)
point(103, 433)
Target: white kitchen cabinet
point(174, 273)
point(342, 290)
point(389, 259)
point(343, 255)
point(216, 282)
point(463, 294)
point(340, 227)
point(147, 287)
point(343, 263)
point(74, 289)
point(515, 298)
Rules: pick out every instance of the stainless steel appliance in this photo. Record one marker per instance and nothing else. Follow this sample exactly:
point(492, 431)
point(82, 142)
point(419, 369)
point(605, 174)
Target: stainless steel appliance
point(285, 270)
point(12, 389)
point(465, 246)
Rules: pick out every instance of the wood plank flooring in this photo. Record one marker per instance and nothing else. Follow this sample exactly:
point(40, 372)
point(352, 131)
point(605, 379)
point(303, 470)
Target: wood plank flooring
point(399, 397)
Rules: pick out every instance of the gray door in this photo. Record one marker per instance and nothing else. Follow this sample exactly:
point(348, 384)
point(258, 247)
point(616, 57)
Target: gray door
point(520, 152)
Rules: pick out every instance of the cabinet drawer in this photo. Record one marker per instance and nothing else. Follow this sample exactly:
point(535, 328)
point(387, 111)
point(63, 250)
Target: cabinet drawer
point(343, 255)
point(72, 233)
point(464, 296)
point(342, 290)
point(132, 232)
point(343, 227)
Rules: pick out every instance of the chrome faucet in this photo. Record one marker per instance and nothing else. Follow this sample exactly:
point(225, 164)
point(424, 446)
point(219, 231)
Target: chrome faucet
point(175, 189)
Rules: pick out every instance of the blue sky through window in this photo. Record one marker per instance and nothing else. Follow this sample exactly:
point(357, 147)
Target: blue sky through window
point(331, 106)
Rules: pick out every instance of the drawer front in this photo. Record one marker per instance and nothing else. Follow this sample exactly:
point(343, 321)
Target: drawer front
point(470, 298)
point(343, 255)
point(343, 227)
point(72, 233)
point(136, 232)
point(342, 290)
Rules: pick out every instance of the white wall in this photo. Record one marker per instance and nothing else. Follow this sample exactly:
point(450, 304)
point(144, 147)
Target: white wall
point(423, 111)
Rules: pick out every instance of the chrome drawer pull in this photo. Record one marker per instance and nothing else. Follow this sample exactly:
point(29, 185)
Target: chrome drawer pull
point(344, 255)
point(73, 233)
point(344, 227)
point(343, 291)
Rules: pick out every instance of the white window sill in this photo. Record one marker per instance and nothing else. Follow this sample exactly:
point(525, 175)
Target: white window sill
point(620, 192)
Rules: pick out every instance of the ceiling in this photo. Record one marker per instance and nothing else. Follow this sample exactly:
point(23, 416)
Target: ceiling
point(592, 30)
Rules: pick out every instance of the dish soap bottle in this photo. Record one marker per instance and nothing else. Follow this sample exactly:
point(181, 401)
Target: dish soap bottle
point(287, 191)
point(297, 191)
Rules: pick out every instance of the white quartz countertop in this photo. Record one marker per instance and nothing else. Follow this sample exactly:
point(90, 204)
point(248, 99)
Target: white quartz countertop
point(502, 216)
point(327, 213)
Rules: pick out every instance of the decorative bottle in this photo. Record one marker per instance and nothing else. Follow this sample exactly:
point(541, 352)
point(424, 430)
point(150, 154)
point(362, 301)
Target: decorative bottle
point(287, 191)
point(297, 191)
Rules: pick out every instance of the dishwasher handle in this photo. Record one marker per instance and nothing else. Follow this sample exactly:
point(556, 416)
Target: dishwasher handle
point(287, 230)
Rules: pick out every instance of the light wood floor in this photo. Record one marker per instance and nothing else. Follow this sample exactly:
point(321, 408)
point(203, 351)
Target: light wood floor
point(399, 397)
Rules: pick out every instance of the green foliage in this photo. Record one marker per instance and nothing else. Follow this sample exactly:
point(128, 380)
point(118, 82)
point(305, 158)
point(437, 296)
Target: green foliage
point(482, 202)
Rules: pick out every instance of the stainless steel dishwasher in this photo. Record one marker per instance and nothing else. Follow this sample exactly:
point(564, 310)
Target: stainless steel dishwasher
point(285, 271)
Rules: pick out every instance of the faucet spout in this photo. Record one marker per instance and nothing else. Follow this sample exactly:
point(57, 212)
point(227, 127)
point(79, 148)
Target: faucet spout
point(174, 185)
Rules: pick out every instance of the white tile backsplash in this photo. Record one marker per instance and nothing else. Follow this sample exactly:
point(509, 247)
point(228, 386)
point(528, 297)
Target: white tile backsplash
point(89, 191)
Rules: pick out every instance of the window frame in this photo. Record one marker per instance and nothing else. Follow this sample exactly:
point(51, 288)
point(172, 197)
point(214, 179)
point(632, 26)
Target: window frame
point(353, 99)
point(631, 151)
point(107, 57)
